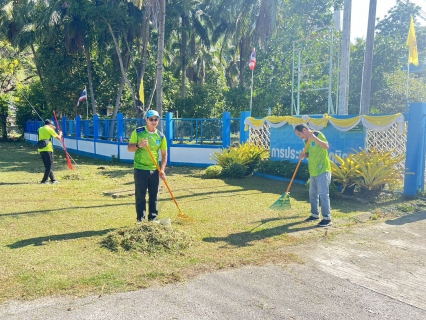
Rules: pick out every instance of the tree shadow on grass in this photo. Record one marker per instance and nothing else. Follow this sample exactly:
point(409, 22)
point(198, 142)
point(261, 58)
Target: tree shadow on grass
point(63, 208)
point(242, 239)
point(40, 241)
point(410, 218)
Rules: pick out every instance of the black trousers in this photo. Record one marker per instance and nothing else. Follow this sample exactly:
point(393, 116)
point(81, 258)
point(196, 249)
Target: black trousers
point(146, 180)
point(47, 158)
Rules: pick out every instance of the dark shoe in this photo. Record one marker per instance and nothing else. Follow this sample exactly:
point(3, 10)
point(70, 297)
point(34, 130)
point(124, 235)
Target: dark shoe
point(311, 218)
point(325, 223)
point(44, 182)
point(55, 182)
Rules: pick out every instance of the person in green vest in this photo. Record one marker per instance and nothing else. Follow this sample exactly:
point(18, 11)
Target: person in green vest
point(319, 171)
point(146, 175)
point(46, 133)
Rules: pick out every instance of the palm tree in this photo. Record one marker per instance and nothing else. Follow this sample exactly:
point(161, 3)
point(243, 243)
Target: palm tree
point(246, 22)
point(160, 49)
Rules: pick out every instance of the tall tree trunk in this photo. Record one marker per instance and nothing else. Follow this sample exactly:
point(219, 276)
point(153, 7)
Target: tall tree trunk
point(3, 118)
point(183, 53)
point(244, 42)
point(345, 58)
point(120, 60)
point(368, 61)
point(191, 73)
point(40, 75)
point(89, 77)
point(145, 37)
point(159, 78)
point(116, 107)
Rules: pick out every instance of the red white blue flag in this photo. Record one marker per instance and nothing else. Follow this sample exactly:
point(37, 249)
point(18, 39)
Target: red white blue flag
point(82, 97)
point(252, 61)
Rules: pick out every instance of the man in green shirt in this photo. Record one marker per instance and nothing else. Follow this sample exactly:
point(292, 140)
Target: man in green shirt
point(146, 175)
point(46, 153)
point(319, 172)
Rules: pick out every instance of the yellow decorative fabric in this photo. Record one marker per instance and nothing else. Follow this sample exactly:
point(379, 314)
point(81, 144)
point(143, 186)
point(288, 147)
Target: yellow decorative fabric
point(378, 123)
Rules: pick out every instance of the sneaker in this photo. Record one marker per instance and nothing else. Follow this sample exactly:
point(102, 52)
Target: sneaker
point(44, 182)
point(325, 223)
point(311, 218)
point(55, 182)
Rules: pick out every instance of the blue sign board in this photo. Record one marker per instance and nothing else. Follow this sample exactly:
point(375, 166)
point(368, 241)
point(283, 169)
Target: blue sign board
point(286, 145)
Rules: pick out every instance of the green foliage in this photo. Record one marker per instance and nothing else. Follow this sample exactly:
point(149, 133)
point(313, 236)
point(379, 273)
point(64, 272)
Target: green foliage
point(235, 170)
point(34, 93)
point(377, 168)
point(200, 101)
point(213, 172)
point(247, 155)
point(284, 169)
point(345, 173)
point(369, 170)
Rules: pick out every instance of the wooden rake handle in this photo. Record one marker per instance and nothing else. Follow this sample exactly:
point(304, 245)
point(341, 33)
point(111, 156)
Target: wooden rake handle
point(165, 181)
point(295, 170)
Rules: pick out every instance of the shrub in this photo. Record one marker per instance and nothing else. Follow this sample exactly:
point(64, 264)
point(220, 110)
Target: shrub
point(247, 155)
point(235, 170)
point(345, 173)
point(378, 168)
point(213, 172)
point(369, 170)
point(284, 169)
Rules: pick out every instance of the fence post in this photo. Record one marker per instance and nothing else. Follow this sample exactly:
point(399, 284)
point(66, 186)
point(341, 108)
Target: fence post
point(120, 127)
point(64, 126)
point(244, 135)
point(169, 133)
point(78, 127)
point(415, 154)
point(95, 127)
point(226, 129)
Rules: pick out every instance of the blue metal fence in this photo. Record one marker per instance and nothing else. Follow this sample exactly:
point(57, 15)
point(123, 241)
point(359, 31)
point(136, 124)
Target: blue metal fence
point(183, 130)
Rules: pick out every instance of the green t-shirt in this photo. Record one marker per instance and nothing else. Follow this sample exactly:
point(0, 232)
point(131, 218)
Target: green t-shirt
point(156, 140)
point(318, 160)
point(45, 133)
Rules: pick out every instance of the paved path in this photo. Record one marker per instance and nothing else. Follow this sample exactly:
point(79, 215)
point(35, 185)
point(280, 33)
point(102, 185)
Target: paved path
point(373, 272)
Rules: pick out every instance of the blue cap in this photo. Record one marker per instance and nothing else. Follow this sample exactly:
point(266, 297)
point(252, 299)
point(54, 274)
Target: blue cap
point(152, 113)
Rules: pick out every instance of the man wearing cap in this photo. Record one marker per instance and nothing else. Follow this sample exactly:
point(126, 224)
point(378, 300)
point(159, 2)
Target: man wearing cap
point(146, 175)
point(46, 153)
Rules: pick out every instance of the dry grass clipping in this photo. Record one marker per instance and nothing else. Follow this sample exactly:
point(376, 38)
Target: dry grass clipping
point(147, 238)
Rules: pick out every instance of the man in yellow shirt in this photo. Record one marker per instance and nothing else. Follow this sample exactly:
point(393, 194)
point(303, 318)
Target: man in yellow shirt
point(46, 133)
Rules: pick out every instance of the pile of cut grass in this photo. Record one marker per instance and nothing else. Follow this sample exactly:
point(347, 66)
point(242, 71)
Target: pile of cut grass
point(147, 238)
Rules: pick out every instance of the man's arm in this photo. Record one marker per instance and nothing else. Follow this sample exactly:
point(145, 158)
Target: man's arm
point(321, 143)
point(163, 163)
point(59, 136)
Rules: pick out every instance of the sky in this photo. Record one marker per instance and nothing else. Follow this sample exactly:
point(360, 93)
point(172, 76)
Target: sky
point(359, 14)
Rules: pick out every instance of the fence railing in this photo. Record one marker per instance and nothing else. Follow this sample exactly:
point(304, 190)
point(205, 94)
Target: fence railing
point(182, 130)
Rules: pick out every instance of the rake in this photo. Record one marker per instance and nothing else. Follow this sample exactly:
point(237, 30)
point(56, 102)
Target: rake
point(180, 214)
point(283, 203)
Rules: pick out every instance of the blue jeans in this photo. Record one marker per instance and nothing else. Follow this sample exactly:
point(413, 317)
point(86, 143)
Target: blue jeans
point(319, 191)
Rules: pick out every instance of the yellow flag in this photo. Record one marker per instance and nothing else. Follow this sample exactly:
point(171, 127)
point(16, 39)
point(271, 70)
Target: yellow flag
point(141, 93)
point(413, 56)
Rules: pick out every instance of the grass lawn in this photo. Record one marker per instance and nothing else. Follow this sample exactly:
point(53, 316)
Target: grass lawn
point(51, 234)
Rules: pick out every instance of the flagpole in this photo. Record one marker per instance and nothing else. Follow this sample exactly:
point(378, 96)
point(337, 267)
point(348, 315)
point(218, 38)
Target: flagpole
point(406, 93)
point(87, 105)
point(251, 91)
